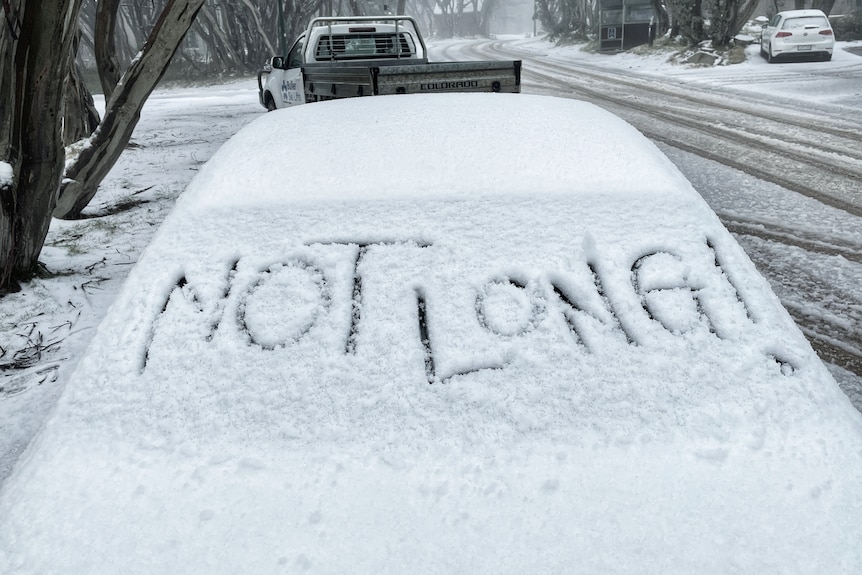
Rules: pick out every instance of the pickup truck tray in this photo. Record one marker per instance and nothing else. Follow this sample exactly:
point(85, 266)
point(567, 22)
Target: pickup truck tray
point(340, 81)
point(448, 77)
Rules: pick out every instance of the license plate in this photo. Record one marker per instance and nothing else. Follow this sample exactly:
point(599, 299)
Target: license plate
point(803, 47)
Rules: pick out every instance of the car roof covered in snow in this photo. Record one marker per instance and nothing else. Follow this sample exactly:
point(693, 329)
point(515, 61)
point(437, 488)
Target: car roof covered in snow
point(450, 333)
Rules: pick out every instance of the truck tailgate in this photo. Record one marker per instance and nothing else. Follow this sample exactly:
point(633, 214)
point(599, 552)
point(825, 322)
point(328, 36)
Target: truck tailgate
point(503, 76)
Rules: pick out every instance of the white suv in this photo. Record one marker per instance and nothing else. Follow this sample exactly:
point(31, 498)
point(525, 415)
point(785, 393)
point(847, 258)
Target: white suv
point(797, 32)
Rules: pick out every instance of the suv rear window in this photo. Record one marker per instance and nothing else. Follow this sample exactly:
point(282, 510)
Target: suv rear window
point(805, 22)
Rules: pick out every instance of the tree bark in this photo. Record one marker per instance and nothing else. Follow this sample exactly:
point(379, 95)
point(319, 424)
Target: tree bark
point(728, 18)
point(80, 117)
point(105, 47)
point(697, 31)
point(662, 19)
point(744, 15)
point(123, 110)
point(34, 63)
point(688, 19)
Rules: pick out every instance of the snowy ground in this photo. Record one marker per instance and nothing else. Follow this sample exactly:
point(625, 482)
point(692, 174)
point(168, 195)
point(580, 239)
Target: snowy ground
point(833, 86)
point(45, 327)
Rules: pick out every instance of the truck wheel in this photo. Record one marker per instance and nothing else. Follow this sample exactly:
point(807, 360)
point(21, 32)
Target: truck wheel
point(270, 103)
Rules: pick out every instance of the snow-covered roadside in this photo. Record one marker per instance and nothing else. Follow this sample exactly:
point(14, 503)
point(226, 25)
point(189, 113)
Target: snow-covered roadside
point(45, 327)
point(834, 85)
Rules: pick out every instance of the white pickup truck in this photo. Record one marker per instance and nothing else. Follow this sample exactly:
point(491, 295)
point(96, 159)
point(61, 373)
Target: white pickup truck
point(344, 57)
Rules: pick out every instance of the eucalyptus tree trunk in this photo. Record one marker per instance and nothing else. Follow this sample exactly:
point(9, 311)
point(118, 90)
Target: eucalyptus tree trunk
point(105, 46)
point(123, 109)
point(662, 19)
point(80, 117)
point(728, 18)
point(486, 12)
point(35, 57)
point(688, 19)
point(744, 15)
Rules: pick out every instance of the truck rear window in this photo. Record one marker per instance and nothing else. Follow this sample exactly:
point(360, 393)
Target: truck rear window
point(382, 45)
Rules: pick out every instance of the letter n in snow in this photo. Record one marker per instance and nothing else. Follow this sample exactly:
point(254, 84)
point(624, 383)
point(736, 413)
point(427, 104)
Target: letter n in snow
point(191, 310)
point(589, 313)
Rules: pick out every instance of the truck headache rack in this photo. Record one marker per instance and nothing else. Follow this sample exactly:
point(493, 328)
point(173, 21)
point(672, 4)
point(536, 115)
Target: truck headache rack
point(364, 46)
point(366, 21)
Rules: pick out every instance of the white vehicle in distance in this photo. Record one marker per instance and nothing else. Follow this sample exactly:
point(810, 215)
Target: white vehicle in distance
point(521, 343)
point(797, 33)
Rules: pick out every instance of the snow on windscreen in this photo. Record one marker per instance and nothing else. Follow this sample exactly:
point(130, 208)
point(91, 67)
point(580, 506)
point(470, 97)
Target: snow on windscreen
point(581, 369)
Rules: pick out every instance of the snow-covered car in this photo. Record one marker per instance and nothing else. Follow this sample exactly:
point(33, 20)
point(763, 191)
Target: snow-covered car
point(797, 33)
point(467, 333)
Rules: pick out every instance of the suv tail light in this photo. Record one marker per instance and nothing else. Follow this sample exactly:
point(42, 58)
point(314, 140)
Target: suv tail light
point(826, 32)
point(783, 34)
